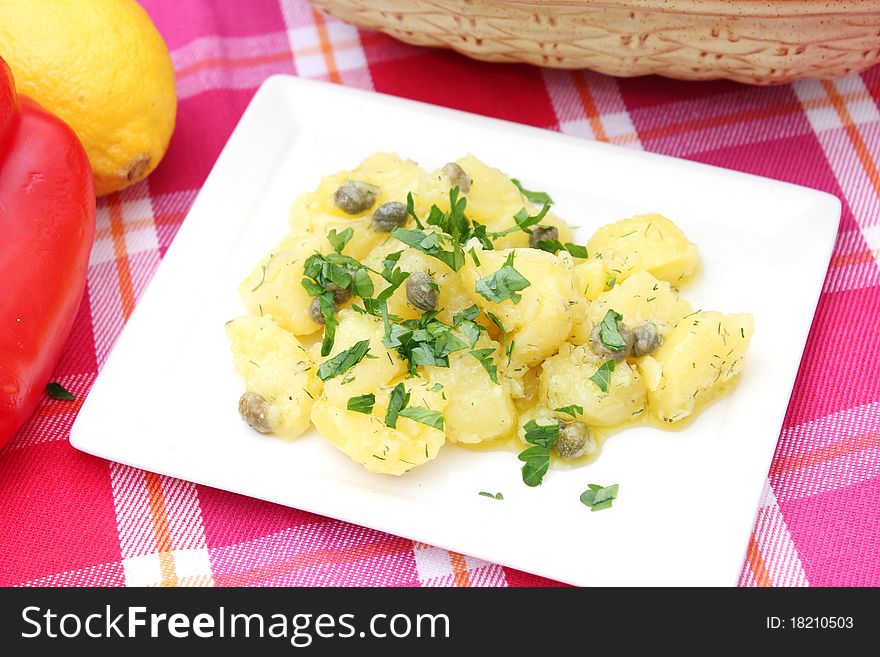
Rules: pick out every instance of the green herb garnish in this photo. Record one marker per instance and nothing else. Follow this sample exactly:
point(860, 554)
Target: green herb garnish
point(555, 246)
point(57, 391)
point(609, 331)
point(542, 437)
point(542, 198)
point(362, 403)
point(343, 361)
point(506, 283)
point(599, 497)
point(339, 240)
point(397, 407)
point(496, 496)
point(488, 363)
point(398, 401)
point(465, 322)
point(424, 416)
point(572, 409)
point(602, 377)
point(524, 222)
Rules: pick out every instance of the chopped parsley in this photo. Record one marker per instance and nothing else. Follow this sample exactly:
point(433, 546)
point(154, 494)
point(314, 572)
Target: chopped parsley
point(343, 361)
point(399, 400)
point(536, 459)
point(362, 403)
point(572, 409)
point(555, 246)
point(524, 221)
point(424, 416)
point(339, 240)
point(58, 391)
point(609, 331)
point(425, 341)
point(488, 363)
point(602, 377)
point(496, 496)
point(599, 497)
point(453, 230)
point(506, 283)
point(397, 407)
point(542, 198)
point(465, 322)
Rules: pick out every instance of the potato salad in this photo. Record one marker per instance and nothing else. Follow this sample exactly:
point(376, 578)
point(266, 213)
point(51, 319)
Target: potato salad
point(407, 309)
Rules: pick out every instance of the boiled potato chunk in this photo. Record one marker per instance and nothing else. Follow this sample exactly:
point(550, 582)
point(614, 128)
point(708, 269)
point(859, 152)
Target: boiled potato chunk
point(478, 410)
point(278, 368)
point(590, 278)
point(642, 298)
point(492, 200)
point(375, 370)
point(379, 448)
point(648, 242)
point(316, 212)
point(565, 379)
point(274, 287)
point(701, 354)
point(543, 318)
point(589, 283)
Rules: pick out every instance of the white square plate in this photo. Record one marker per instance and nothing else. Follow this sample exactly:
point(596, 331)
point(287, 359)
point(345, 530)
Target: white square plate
point(166, 399)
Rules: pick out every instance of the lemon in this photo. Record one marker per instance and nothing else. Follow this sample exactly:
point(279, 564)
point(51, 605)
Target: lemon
point(102, 67)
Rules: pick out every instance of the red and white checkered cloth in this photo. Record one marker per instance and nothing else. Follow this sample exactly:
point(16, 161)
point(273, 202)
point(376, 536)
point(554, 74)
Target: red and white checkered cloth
point(71, 519)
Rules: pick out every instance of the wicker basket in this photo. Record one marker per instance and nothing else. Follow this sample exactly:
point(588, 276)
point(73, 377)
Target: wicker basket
point(768, 42)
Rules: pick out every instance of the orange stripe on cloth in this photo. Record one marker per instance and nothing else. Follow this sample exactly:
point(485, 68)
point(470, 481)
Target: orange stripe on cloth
point(858, 258)
point(327, 557)
point(855, 136)
point(825, 454)
point(159, 516)
point(233, 62)
point(757, 564)
point(459, 569)
point(589, 105)
point(120, 253)
point(326, 47)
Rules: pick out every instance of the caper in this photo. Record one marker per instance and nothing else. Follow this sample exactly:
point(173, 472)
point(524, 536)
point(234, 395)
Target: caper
point(389, 216)
point(457, 177)
point(645, 339)
point(422, 291)
point(315, 311)
point(617, 354)
point(541, 233)
point(575, 439)
point(355, 196)
point(340, 294)
point(254, 409)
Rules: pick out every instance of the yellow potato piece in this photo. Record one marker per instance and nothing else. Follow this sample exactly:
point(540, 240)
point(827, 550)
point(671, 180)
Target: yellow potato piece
point(379, 448)
point(543, 318)
point(648, 242)
point(374, 371)
point(642, 298)
point(702, 353)
point(274, 286)
point(565, 379)
point(277, 367)
point(316, 212)
point(492, 200)
point(477, 409)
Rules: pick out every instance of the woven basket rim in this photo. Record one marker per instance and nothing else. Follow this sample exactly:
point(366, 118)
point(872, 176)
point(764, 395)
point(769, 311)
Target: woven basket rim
point(758, 8)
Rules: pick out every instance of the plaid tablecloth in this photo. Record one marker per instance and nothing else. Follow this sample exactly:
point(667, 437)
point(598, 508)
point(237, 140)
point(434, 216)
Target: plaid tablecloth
point(67, 518)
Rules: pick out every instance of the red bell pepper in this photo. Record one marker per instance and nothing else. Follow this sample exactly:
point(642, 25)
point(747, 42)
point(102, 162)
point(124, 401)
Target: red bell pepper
point(47, 227)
